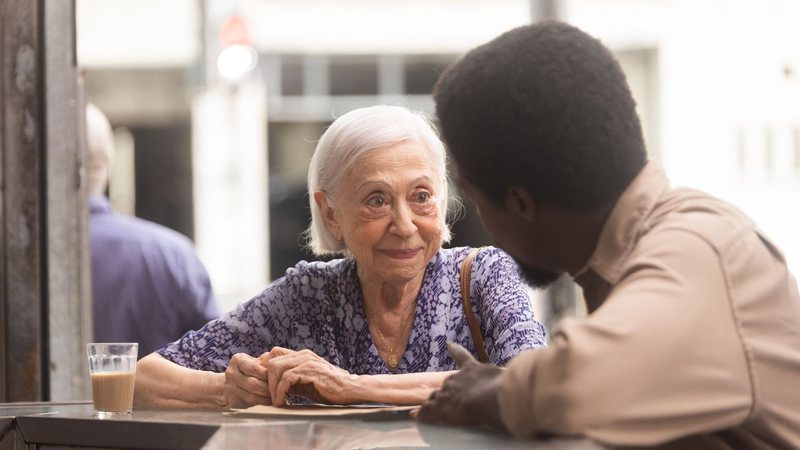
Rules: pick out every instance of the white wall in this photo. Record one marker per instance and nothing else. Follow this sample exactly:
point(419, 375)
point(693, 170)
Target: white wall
point(137, 33)
point(379, 27)
point(728, 75)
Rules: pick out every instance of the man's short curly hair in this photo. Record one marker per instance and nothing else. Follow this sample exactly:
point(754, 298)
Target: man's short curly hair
point(546, 107)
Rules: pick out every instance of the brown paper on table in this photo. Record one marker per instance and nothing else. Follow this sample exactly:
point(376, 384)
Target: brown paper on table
point(325, 411)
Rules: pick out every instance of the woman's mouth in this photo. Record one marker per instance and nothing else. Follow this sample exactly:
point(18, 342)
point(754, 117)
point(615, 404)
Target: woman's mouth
point(402, 254)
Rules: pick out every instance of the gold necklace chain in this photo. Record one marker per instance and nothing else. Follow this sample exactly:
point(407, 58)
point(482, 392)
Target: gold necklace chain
point(394, 360)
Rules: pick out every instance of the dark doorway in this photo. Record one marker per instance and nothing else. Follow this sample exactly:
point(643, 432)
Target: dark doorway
point(163, 164)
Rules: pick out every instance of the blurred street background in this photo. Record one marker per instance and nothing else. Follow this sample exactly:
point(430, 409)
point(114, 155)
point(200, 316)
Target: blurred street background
point(217, 105)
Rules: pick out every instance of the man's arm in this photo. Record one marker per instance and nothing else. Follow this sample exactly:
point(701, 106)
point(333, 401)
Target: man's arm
point(659, 360)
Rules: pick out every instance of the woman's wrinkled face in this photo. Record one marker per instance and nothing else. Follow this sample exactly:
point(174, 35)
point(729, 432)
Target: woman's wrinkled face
point(387, 214)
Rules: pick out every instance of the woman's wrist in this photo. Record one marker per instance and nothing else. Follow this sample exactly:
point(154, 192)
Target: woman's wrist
point(404, 389)
point(214, 384)
point(360, 389)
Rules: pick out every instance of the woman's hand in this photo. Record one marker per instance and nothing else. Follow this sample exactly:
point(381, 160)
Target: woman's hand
point(245, 382)
point(309, 375)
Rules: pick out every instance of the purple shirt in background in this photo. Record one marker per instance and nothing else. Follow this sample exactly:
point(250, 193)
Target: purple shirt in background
point(318, 306)
point(147, 283)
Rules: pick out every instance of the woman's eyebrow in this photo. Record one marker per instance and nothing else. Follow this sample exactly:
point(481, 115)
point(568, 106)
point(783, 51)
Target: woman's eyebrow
point(370, 182)
point(413, 182)
point(422, 178)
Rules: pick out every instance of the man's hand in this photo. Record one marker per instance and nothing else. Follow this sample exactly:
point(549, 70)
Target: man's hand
point(466, 398)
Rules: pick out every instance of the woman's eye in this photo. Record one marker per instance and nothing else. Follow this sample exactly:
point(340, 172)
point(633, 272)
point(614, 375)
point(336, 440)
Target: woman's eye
point(422, 197)
point(376, 201)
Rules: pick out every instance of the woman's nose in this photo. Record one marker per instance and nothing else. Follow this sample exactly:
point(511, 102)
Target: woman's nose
point(403, 221)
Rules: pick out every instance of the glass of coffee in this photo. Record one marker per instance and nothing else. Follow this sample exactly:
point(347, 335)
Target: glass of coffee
point(113, 370)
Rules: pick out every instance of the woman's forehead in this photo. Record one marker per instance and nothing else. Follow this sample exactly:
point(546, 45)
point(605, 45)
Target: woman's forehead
point(401, 157)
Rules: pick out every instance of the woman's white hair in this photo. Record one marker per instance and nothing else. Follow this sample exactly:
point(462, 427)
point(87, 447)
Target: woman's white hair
point(352, 136)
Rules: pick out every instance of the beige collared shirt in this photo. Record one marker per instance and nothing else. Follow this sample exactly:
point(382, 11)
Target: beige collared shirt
point(693, 334)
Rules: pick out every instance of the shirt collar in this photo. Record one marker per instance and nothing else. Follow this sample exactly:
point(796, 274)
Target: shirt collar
point(625, 224)
point(99, 204)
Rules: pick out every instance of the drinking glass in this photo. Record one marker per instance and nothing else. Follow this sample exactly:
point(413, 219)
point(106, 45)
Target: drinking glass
point(112, 367)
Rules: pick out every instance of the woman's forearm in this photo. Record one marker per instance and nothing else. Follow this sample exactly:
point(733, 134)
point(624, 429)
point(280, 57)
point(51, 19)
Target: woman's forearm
point(163, 384)
point(402, 389)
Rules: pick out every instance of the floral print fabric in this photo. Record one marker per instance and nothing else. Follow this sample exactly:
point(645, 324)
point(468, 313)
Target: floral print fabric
point(318, 306)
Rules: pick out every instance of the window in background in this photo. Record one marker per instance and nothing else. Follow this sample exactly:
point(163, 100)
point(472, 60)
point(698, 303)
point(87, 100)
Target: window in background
point(421, 73)
point(291, 70)
point(353, 75)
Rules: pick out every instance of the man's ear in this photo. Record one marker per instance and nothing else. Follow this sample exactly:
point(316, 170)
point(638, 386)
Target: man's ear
point(321, 199)
point(520, 202)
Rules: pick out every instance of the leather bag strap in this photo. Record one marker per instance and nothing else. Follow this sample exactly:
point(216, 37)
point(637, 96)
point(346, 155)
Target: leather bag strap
point(466, 278)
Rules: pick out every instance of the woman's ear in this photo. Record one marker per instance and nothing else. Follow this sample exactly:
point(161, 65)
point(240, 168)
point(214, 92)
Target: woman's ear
point(321, 198)
point(520, 202)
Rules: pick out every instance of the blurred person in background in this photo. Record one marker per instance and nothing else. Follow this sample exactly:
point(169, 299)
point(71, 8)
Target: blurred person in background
point(148, 285)
point(693, 333)
point(373, 325)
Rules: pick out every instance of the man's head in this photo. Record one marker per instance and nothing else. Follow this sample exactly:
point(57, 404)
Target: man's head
point(542, 113)
point(100, 149)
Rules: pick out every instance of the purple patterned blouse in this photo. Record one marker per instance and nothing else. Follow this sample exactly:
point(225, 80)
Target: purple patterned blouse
point(318, 306)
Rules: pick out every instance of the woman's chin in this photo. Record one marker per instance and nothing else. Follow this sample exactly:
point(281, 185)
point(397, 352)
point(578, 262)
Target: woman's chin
point(400, 273)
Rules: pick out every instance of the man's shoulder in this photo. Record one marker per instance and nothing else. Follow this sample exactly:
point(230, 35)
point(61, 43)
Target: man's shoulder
point(162, 232)
point(712, 219)
point(140, 231)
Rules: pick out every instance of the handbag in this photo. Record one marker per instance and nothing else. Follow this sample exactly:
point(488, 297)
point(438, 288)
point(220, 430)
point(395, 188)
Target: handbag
point(466, 276)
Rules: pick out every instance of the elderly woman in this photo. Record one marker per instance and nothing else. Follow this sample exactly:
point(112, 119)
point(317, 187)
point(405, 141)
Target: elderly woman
point(374, 325)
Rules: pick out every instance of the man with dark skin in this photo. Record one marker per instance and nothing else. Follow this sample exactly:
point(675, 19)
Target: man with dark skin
point(693, 332)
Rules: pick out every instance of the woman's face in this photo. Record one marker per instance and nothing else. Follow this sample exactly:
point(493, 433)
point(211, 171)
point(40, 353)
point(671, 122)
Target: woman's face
point(387, 214)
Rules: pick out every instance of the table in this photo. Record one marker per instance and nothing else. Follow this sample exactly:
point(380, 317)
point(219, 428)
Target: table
point(73, 425)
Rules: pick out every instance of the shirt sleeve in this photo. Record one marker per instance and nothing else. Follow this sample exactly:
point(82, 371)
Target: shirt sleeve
point(505, 311)
point(252, 327)
point(660, 359)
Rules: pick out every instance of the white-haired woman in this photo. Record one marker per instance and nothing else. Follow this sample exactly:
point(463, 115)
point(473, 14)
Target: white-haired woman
point(374, 325)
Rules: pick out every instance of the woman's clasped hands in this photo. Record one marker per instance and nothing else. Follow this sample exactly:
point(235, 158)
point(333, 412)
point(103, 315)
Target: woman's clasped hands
point(280, 372)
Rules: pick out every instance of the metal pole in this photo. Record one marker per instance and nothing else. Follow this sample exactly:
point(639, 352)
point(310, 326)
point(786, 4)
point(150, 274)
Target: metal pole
point(43, 299)
point(544, 9)
point(22, 212)
point(66, 210)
